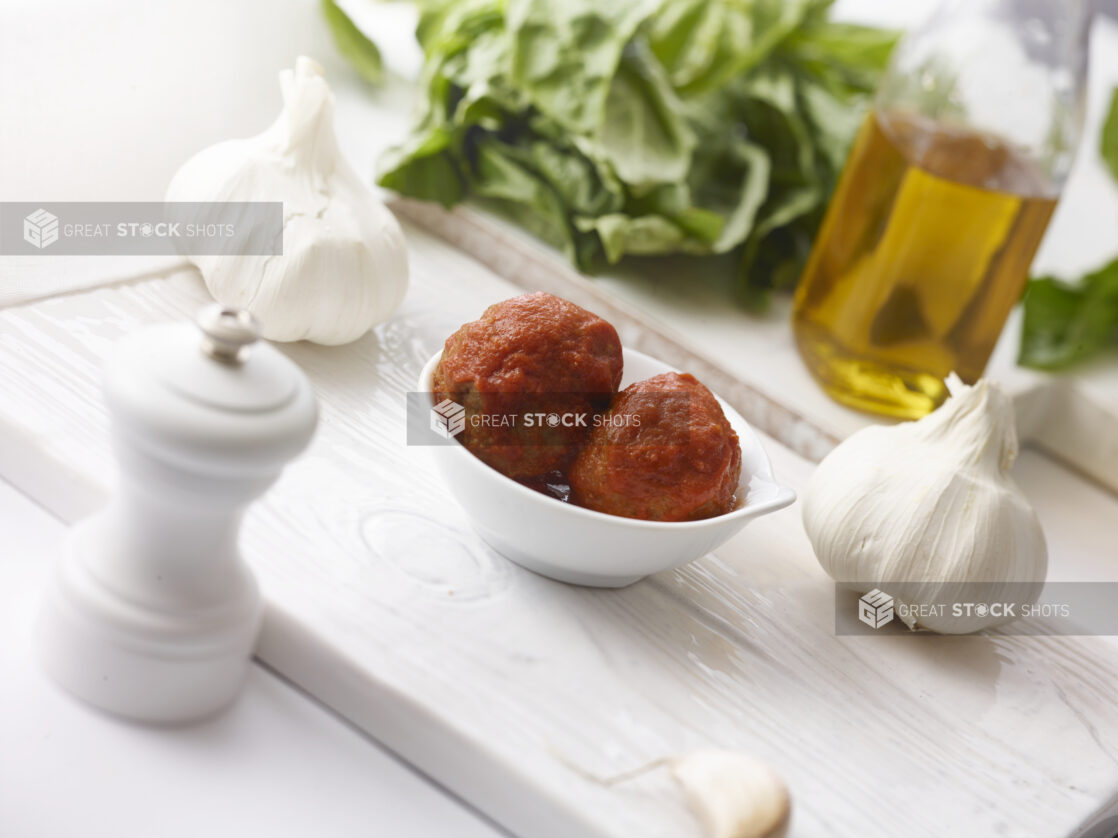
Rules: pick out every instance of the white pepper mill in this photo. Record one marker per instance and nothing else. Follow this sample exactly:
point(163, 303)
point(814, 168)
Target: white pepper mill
point(153, 614)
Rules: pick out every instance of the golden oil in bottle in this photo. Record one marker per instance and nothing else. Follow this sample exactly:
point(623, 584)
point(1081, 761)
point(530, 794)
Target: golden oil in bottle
point(923, 252)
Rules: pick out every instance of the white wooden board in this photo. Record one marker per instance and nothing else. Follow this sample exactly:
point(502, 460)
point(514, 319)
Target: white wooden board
point(523, 695)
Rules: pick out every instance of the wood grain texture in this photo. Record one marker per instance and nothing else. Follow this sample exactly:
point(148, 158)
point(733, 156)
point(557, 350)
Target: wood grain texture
point(526, 696)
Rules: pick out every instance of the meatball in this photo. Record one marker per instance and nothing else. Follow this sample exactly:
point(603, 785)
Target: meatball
point(525, 371)
point(663, 452)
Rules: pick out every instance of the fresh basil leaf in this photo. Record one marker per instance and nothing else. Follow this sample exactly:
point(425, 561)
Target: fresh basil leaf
point(1109, 145)
point(565, 53)
point(516, 190)
point(646, 235)
point(1065, 323)
point(779, 244)
point(643, 136)
point(736, 199)
point(585, 186)
point(832, 122)
point(857, 54)
point(704, 44)
point(353, 44)
point(696, 40)
point(425, 168)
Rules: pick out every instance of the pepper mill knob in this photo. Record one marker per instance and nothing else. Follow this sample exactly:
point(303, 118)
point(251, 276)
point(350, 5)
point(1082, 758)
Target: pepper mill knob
point(227, 332)
point(153, 613)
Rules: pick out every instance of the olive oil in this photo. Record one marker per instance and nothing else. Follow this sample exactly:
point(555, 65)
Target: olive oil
point(923, 252)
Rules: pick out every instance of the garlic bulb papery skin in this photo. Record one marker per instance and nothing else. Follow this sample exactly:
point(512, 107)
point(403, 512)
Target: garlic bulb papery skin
point(344, 266)
point(733, 794)
point(930, 508)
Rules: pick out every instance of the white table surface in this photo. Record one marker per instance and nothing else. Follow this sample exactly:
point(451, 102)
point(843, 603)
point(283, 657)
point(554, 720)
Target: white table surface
point(276, 764)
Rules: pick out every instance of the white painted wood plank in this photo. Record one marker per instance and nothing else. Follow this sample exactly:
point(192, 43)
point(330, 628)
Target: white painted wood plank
point(517, 692)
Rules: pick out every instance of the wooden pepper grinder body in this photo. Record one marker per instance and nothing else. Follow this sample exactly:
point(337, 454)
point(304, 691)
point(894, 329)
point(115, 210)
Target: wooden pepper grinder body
point(153, 613)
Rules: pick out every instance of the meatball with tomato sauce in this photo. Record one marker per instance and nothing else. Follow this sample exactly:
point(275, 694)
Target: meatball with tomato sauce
point(663, 452)
point(531, 372)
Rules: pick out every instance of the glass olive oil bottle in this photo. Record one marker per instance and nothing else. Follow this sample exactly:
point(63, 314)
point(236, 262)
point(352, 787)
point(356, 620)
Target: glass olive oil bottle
point(945, 197)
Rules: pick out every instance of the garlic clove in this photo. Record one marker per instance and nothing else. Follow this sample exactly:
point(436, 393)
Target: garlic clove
point(733, 794)
point(344, 265)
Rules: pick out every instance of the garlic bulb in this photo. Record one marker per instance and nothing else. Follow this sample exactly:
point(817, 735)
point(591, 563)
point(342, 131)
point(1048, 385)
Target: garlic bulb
point(927, 509)
point(733, 794)
point(344, 264)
